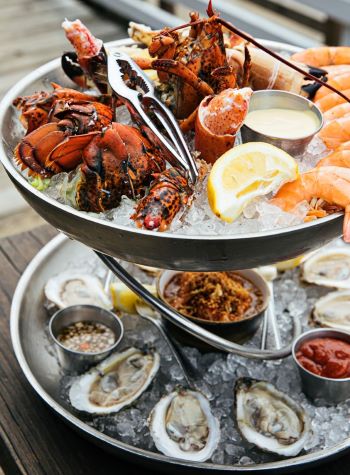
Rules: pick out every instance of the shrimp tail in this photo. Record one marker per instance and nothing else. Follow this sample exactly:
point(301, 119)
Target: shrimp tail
point(346, 225)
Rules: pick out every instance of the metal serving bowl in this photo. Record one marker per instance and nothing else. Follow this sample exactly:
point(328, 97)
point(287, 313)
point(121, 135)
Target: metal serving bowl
point(78, 361)
point(328, 390)
point(238, 331)
point(267, 99)
point(40, 367)
point(164, 250)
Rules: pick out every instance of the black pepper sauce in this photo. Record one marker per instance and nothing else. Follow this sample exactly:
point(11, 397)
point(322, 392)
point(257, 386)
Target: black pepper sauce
point(213, 296)
point(87, 337)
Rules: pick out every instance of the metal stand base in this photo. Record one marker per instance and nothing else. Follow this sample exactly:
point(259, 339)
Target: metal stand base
point(187, 325)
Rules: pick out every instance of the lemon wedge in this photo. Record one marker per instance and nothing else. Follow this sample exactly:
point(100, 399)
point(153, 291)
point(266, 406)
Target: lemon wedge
point(125, 299)
point(245, 172)
point(290, 263)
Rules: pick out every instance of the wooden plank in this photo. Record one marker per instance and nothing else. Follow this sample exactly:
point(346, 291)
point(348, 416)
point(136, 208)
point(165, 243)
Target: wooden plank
point(140, 11)
point(336, 9)
point(32, 440)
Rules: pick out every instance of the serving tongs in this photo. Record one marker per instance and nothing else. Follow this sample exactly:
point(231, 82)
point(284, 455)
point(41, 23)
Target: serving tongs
point(137, 92)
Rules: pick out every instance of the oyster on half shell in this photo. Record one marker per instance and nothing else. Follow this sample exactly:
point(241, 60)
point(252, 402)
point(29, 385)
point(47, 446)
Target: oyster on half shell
point(75, 288)
point(115, 383)
point(269, 418)
point(183, 426)
point(328, 267)
point(333, 310)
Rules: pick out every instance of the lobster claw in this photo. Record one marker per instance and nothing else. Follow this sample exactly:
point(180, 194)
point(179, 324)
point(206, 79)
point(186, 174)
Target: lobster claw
point(31, 152)
point(72, 68)
point(49, 150)
point(68, 152)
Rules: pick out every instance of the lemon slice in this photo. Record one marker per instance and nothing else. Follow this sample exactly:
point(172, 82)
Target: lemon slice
point(125, 299)
point(245, 172)
point(290, 263)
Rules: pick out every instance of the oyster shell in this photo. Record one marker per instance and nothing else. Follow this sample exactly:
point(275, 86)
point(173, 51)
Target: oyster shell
point(269, 418)
point(183, 426)
point(333, 310)
point(115, 383)
point(74, 288)
point(329, 267)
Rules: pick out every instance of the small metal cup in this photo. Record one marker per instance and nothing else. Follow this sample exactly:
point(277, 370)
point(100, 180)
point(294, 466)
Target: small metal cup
point(78, 361)
point(237, 331)
point(326, 390)
point(271, 99)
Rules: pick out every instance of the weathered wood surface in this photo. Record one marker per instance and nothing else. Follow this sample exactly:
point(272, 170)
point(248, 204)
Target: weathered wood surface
point(33, 440)
point(31, 33)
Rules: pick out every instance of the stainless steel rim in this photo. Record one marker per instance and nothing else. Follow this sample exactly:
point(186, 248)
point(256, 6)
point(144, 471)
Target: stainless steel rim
point(44, 254)
point(10, 168)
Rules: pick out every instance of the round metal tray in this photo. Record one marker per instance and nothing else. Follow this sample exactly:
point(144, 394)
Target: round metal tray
point(36, 358)
point(164, 250)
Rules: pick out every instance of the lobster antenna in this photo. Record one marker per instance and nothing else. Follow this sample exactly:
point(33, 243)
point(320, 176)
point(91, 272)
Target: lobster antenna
point(252, 40)
point(246, 37)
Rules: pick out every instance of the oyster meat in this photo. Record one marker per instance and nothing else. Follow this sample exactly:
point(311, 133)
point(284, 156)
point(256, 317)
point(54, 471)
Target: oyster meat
point(183, 426)
point(333, 310)
point(115, 383)
point(328, 267)
point(269, 418)
point(74, 288)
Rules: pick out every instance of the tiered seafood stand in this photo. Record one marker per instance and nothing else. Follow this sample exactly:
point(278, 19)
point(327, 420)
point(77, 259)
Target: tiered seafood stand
point(95, 245)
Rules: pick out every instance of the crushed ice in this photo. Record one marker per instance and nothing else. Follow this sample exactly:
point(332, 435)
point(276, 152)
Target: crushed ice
point(198, 219)
point(215, 377)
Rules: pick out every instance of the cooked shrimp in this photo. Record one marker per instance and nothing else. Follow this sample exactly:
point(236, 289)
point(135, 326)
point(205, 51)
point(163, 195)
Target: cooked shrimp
point(336, 112)
point(339, 158)
point(336, 132)
point(331, 184)
point(337, 69)
point(344, 146)
point(323, 56)
point(331, 100)
point(339, 81)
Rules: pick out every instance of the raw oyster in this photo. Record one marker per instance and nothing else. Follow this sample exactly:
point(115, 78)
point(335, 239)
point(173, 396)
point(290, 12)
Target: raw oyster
point(183, 426)
point(333, 310)
point(74, 288)
point(115, 383)
point(329, 267)
point(269, 418)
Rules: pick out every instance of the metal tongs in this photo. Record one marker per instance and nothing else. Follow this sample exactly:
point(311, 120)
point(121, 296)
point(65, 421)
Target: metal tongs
point(135, 90)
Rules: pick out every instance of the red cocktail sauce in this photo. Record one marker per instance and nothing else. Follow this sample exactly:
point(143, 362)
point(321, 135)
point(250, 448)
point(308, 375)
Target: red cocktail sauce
point(327, 357)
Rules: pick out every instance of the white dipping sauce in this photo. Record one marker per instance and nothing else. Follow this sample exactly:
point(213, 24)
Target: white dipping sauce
point(283, 123)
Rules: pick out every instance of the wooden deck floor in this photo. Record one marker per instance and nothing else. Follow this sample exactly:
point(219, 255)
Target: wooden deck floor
point(30, 35)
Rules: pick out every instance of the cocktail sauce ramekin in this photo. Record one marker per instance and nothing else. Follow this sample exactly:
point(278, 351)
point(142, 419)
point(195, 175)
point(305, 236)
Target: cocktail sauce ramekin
point(78, 361)
point(326, 390)
point(275, 99)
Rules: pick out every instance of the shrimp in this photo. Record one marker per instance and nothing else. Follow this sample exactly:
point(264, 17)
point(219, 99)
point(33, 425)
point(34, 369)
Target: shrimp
point(331, 100)
point(337, 111)
point(339, 158)
point(337, 69)
point(339, 81)
point(344, 146)
point(331, 184)
point(336, 132)
point(323, 56)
